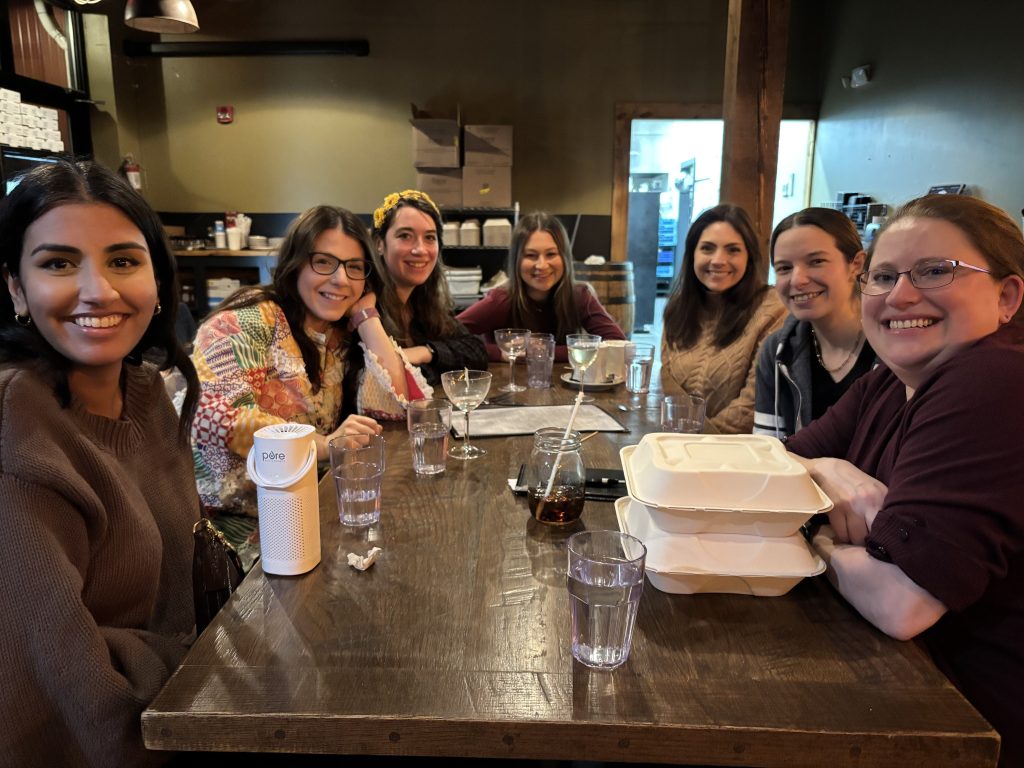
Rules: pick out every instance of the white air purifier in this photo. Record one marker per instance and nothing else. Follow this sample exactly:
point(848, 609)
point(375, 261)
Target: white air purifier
point(282, 463)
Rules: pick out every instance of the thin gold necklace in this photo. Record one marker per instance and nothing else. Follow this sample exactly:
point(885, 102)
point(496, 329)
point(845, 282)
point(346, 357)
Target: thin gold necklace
point(846, 360)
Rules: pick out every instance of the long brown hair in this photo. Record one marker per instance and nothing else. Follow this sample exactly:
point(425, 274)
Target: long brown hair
point(688, 305)
point(563, 298)
point(429, 304)
point(284, 290)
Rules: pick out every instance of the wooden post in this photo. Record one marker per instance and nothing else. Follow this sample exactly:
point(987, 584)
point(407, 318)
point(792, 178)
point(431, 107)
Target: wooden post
point(755, 73)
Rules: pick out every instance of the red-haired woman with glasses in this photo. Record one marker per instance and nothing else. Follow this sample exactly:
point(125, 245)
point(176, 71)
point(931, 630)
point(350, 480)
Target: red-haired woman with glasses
point(308, 348)
point(922, 456)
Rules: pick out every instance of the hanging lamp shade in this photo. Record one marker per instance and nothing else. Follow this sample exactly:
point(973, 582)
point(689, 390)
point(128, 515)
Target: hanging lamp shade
point(165, 17)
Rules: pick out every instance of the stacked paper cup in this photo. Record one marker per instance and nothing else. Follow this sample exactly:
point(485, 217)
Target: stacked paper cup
point(720, 513)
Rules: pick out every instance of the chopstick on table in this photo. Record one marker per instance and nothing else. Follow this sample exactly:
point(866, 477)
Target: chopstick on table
point(587, 436)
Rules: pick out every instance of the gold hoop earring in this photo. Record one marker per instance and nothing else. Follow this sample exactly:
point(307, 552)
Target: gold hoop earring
point(158, 309)
point(23, 320)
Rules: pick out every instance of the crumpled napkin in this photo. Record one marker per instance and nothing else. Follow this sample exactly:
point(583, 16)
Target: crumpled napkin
point(361, 563)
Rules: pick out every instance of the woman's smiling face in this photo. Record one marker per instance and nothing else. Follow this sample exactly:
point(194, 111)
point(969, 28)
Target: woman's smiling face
point(410, 248)
point(914, 331)
point(813, 277)
point(541, 266)
point(87, 281)
point(720, 259)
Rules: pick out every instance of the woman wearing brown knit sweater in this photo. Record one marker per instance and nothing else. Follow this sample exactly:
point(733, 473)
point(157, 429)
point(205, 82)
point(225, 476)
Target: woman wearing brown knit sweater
point(97, 496)
point(719, 312)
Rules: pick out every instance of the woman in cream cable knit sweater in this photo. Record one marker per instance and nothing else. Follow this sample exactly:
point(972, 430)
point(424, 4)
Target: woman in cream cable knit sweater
point(97, 497)
point(718, 314)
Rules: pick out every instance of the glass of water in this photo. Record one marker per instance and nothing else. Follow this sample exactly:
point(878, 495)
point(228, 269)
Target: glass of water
point(357, 465)
point(639, 361)
point(429, 423)
point(605, 579)
point(683, 413)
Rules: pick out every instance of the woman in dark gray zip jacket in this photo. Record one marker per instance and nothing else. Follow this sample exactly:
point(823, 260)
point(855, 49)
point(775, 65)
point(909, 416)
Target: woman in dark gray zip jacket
point(806, 366)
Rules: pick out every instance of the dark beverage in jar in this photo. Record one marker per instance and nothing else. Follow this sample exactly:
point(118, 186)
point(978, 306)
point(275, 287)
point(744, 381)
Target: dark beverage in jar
point(562, 507)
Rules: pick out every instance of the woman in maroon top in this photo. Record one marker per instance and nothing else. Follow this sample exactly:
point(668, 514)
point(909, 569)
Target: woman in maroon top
point(541, 294)
point(922, 456)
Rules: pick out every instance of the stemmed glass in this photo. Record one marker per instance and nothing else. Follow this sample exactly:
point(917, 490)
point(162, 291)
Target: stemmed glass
point(512, 341)
point(583, 349)
point(466, 389)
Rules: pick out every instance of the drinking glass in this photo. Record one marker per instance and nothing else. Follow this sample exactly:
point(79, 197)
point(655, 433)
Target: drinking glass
point(540, 359)
point(512, 341)
point(605, 581)
point(639, 361)
point(683, 413)
point(466, 389)
point(583, 349)
point(429, 422)
point(357, 465)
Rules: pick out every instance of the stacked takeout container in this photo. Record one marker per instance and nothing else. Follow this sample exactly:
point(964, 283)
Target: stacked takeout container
point(720, 513)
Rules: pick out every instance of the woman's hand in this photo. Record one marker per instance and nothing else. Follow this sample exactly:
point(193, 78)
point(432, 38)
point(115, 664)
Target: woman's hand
point(419, 355)
point(856, 496)
point(355, 426)
point(367, 301)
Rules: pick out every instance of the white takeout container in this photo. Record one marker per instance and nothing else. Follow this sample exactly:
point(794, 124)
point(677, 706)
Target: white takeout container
point(718, 562)
point(721, 484)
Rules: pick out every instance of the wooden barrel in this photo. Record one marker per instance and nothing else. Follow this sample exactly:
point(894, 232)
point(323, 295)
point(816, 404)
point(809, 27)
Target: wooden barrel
point(613, 284)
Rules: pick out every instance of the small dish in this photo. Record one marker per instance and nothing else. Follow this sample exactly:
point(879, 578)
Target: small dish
point(597, 386)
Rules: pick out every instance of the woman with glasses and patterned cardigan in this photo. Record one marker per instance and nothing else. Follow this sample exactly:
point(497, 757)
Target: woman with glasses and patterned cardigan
point(308, 348)
point(921, 457)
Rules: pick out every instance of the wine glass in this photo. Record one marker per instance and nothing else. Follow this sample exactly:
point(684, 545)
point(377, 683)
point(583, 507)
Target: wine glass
point(512, 341)
point(466, 389)
point(583, 349)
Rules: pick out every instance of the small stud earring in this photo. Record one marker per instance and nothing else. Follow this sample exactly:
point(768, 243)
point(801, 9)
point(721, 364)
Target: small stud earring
point(23, 320)
point(158, 309)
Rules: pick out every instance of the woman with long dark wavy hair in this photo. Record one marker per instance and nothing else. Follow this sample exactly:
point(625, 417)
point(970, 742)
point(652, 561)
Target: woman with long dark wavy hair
point(415, 304)
point(541, 294)
point(719, 312)
point(97, 495)
point(308, 348)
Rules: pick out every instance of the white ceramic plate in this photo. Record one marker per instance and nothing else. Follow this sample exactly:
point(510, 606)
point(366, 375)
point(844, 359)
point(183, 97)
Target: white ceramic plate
point(597, 386)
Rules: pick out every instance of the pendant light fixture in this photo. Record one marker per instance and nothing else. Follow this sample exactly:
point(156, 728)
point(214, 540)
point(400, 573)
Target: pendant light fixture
point(165, 17)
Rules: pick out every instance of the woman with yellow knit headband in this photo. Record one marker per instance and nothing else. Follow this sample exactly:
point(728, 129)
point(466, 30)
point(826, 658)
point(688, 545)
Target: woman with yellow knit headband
point(414, 301)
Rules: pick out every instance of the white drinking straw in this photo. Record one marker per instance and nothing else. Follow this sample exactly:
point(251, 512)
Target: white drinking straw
point(568, 429)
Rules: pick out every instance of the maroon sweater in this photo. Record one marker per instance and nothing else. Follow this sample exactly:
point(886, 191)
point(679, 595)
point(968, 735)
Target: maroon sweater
point(953, 518)
point(494, 310)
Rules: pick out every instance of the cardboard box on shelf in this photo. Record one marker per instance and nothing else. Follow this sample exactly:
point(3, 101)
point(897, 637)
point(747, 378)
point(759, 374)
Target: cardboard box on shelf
point(487, 187)
point(435, 143)
point(497, 232)
point(488, 145)
point(444, 185)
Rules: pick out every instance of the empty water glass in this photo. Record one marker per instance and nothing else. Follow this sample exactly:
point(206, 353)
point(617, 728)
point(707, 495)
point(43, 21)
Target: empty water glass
point(429, 423)
point(605, 580)
point(683, 413)
point(357, 465)
point(639, 362)
point(540, 359)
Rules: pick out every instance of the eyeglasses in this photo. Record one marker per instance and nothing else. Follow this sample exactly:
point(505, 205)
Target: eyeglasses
point(325, 264)
point(925, 275)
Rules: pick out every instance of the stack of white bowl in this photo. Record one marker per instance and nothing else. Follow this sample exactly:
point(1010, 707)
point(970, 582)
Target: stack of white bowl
point(720, 513)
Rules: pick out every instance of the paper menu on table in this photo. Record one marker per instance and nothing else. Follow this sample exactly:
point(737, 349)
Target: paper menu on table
point(525, 420)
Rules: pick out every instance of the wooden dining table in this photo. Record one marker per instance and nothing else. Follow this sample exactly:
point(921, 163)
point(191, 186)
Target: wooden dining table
point(456, 642)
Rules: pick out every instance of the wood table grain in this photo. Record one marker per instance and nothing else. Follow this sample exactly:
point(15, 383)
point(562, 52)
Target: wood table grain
point(456, 643)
